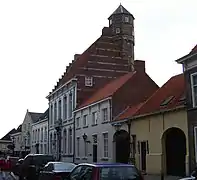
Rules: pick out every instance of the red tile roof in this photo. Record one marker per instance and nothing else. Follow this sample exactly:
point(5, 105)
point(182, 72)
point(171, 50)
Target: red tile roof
point(129, 111)
point(174, 87)
point(108, 90)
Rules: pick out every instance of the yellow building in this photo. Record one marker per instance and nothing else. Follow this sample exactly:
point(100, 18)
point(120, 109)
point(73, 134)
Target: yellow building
point(159, 126)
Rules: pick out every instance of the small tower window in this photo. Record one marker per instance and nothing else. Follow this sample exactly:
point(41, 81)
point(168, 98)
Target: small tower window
point(126, 19)
point(117, 30)
point(110, 21)
point(88, 81)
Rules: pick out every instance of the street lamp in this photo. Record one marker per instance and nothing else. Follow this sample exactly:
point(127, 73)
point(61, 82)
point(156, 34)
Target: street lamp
point(117, 126)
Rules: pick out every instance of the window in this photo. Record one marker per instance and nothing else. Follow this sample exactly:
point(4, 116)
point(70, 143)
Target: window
point(167, 101)
point(119, 172)
point(85, 117)
point(55, 112)
point(110, 21)
point(105, 114)
point(65, 107)
point(78, 122)
point(195, 141)
point(65, 141)
point(70, 141)
point(70, 105)
point(51, 143)
point(45, 134)
point(78, 146)
point(194, 89)
point(117, 30)
point(51, 115)
point(41, 134)
point(94, 118)
point(38, 135)
point(105, 144)
point(126, 19)
point(55, 142)
point(28, 126)
point(88, 81)
point(60, 109)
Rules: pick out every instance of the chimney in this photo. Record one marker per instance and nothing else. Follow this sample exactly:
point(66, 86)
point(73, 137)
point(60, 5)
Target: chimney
point(76, 56)
point(139, 66)
point(106, 31)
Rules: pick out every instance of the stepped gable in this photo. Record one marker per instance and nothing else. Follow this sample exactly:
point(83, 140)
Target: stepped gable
point(103, 50)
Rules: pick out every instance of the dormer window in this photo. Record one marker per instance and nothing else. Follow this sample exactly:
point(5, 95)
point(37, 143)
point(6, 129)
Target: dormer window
point(126, 19)
point(117, 30)
point(88, 81)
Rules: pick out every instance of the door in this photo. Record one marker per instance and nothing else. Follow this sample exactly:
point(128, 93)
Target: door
point(94, 152)
point(143, 156)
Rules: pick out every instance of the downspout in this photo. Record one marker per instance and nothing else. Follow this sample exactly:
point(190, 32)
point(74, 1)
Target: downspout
point(74, 138)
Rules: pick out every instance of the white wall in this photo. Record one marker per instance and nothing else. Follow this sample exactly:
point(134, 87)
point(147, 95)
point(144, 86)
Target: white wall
point(39, 135)
point(17, 138)
point(91, 130)
point(67, 121)
point(26, 131)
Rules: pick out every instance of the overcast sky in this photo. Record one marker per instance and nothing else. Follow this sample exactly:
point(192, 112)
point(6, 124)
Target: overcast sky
point(39, 38)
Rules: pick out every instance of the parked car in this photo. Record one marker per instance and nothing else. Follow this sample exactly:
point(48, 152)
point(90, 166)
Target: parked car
point(32, 165)
point(56, 171)
point(105, 171)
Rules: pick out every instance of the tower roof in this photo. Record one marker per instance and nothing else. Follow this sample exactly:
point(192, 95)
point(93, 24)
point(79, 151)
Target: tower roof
point(121, 10)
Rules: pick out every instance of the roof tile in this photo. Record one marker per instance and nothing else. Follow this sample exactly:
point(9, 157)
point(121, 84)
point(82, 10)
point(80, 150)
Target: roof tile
point(174, 87)
point(108, 90)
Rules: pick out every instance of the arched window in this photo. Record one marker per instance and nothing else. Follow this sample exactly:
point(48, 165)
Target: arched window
point(65, 141)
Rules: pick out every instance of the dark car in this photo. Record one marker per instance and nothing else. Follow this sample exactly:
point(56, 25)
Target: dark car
point(32, 165)
point(105, 171)
point(56, 171)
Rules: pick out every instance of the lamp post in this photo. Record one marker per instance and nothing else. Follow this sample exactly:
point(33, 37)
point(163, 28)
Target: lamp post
point(58, 128)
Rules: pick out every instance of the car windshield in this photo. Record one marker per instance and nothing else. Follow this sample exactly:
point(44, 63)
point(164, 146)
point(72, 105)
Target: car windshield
point(119, 173)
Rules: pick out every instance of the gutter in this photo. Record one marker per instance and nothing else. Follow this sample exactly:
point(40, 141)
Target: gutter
point(180, 60)
point(92, 104)
point(148, 114)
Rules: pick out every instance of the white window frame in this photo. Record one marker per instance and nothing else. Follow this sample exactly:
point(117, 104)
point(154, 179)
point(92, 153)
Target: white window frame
point(77, 122)
point(85, 116)
point(105, 153)
point(94, 118)
point(195, 142)
point(117, 30)
point(192, 88)
point(105, 116)
point(88, 81)
point(126, 19)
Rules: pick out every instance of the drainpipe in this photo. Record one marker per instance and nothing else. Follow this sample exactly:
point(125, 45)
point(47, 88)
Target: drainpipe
point(74, 138)
point(129, 131)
